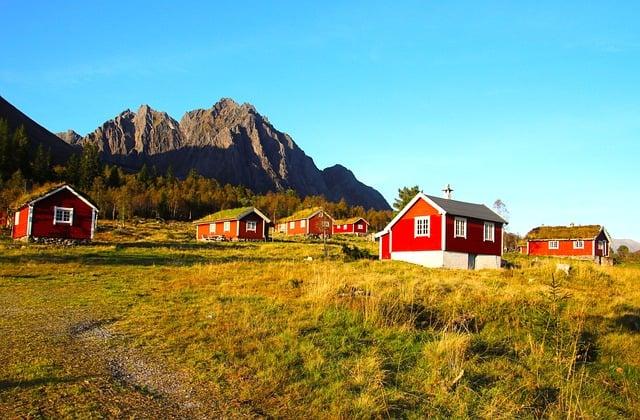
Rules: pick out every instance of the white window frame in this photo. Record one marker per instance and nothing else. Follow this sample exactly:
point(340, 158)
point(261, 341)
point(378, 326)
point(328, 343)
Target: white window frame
point(463, 224)
point(344, 226)
point(492, 232)
point(292, 224)
point(303, 223)
point(417, 233)
point(64, 210)
point(578, 244)
point(554, 244)
point(212, 228)
point(226, 227)
point(16, 219)
point(359, 226)
point(252, 226)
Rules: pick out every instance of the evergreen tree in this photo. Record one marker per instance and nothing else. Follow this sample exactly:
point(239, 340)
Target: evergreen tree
point(143, 176)
point(113, 179)
point(72, 171)
point(5, 150)
point(170, 176)
point(41, 167)
point(405, 195)
point(21, 151)
point(90, 166)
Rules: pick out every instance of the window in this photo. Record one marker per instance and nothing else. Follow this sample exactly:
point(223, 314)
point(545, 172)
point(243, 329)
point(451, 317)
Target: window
point(554, 245)
point(227, 227)
point(292, 224)
point(62, 215)
point(489, 231)
point(251, 226)
point(359, 226)
point(344, 226)
point(578, 244)
point(460, 228)
point(303, 223)
point(16, 220)
point(212, 228)
point(421, 226)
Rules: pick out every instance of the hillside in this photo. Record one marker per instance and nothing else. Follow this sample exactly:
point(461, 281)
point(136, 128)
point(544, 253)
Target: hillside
point(633, 246)
point(147, 323)
point(60, 151)
point(229, 142)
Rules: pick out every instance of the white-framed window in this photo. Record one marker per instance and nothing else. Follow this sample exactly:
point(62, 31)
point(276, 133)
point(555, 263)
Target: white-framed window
point(460, 230)
point(578, 244)
point(62, 215)
point(344, 226)
point(421, 226)
point(16, 218)
point(554, 245)
point(303, 223)
point(227, 227)
point(292, 224)
point(326, 224)
point(252, 225)
point(489, 231)
point(212, 228)
point(359, 226)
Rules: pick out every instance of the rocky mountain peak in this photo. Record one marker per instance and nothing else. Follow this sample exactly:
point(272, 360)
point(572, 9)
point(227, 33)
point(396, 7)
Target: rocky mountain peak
point(70, 137)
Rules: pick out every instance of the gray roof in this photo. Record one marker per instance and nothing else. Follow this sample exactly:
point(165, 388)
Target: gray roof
point(460, 208)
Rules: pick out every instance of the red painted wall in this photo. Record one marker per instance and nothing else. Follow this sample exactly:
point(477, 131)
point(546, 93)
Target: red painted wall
point(599, 251)
point(385, 254)
point(351, 227)
point(315, 225)
point(203, 229)
point(258, 234)
point(474, 243)
point(402, 232)
point(297, 228)
point(565, 248)
point(42, 222)
point(20, 230)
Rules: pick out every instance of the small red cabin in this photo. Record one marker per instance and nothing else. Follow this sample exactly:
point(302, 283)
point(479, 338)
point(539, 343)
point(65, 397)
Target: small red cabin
point(245, 223)
point(441, 232)
point(354, 226)
point(313, 221)
point(584, 242)
point(58, 212)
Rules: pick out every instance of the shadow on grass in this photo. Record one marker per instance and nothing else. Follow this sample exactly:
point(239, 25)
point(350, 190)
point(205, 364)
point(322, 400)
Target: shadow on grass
point(11, 384)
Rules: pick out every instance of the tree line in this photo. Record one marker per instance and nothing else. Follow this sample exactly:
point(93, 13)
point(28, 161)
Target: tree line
point(148, 194)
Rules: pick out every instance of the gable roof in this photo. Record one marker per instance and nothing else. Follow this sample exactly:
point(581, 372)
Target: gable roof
point(231, 214)
point(303, 214)
point(47, 190)
point(448, 206)
point(349, 221)
point(565, 232)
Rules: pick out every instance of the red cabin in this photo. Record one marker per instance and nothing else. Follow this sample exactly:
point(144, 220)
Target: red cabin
point(354, 226)
point(58, 212)
point(245, 223)
point(440, 232)
point(584, 242)
point(313, 221)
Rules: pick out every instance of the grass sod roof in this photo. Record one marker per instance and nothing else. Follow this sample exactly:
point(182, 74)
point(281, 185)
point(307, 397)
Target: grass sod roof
point(227, 214)
point(301, 214)
point(564, 232)
point(45, 189)
point(349, 221)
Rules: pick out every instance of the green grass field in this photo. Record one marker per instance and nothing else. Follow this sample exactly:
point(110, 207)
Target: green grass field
point(148, 323)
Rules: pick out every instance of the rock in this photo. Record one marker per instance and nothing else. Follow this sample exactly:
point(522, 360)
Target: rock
point(565, 268)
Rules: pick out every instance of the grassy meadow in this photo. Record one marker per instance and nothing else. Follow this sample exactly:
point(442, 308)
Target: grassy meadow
point(146, 322)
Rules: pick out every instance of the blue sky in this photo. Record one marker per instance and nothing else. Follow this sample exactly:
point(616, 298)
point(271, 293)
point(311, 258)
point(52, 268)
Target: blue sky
point(535, 103)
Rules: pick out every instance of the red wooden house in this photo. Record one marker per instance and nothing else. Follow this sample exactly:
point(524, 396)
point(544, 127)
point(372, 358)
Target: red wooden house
point(440, 232)
point(354, 226)
point(55, 212)
point(313, 221)
point(245, 223)
point(585, 242)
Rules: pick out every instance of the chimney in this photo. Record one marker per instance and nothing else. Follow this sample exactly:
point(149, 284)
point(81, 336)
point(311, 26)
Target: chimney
point(447, 191)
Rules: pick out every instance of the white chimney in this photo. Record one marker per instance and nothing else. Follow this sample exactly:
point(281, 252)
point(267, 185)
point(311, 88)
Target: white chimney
point(447, 191)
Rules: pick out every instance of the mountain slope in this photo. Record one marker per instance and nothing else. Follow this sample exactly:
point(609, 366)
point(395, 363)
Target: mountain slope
point(630, 243)
point(37, 134)
point(229, 142)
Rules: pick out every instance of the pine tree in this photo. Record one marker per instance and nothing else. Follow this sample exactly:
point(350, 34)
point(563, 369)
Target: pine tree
point(90, 166)
point(41, 167)
point(5, 150)
point(405, 195)
point(21, 151)
point(72, 171)
point(113, 179)
point(170, 176)
point(143, 176)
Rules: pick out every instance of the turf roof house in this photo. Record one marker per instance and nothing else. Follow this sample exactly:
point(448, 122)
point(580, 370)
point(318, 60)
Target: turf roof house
point(312, 221)
point(441, 232)
point(586, 242)
point(354, 226)
point(244, 223)
point(59, 212)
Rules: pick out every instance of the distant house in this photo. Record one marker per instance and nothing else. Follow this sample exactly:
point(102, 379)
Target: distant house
point(58, 211)
point(354, 225)
point(441, 232)
point(312, 221)
point(245, 223)
point(585, 242)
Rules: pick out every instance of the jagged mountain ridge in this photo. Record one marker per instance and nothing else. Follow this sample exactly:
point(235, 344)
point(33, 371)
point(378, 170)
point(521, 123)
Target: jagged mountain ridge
point(230, 142)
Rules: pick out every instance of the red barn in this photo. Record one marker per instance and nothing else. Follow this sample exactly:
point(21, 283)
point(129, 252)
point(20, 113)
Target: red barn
point(313, 221)
point(354, 225)
point(245, 223)
point(584, 242)
point(58, 212)
point(440, 232)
